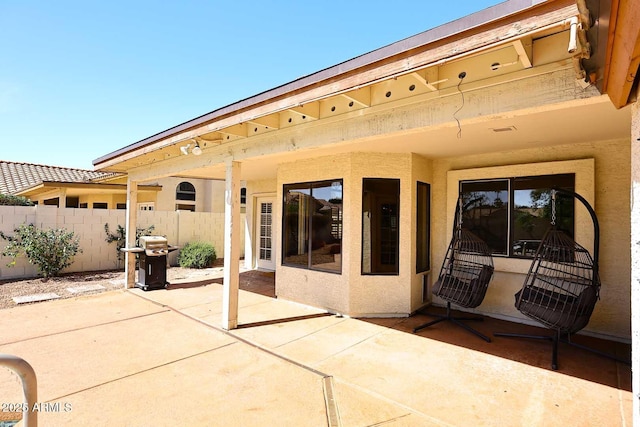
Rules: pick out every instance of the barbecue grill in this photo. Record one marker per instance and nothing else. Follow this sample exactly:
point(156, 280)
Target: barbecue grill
point(152, 262)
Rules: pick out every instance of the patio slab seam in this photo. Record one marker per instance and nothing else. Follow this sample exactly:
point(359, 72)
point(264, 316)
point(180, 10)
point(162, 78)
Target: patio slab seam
point(140, 372)
point(333, 410)
point(237, 337)
point(349, 347)
point(331, 405)
point(315, 331)
point(209, 303)
point(167, 309)
point(333, 413)
point(384, 398)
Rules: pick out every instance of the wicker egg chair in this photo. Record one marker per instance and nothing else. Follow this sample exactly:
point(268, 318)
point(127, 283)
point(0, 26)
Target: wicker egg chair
point(562, 286)
point(464, 276)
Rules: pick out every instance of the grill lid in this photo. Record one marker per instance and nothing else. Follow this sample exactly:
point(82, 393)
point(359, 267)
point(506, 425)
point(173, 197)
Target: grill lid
point(148, 242)
point(153, 243)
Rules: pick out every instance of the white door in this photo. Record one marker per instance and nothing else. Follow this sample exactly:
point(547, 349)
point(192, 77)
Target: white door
point(265, 250)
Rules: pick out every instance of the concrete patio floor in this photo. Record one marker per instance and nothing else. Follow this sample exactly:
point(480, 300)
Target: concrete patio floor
point(134, 358)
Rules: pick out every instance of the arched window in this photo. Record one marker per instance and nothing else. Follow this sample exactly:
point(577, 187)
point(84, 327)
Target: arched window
point(186, 191)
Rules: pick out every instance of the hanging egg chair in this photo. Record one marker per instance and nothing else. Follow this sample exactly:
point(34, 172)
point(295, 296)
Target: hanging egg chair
point(562, 286)
point(464, 276)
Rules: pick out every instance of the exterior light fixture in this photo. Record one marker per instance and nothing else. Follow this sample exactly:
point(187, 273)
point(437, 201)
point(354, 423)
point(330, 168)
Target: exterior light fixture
point(196, 150)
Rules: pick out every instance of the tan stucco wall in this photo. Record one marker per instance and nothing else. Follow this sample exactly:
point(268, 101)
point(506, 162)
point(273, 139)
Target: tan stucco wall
point(609, 195)
point(209, 194)
point(351, 292)
point(111, 200)
point(320, 289)
point(602, 177)
point(422, 171)
point(376, 294)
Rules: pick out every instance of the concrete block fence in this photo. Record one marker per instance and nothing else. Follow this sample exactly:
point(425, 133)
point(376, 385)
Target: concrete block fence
point(180, 227)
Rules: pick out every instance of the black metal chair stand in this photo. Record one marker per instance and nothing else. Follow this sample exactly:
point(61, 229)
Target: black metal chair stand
point(456, 320)
point(557, 338)
point(562, 286)
point(464, 277)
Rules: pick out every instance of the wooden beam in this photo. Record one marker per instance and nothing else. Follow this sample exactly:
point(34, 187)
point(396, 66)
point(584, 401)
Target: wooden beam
point(236, 130)
point(524, 47)
point(213, 137)
point(310, 110)
point(431, 85)
point(625, 52)
point(409, 116)
point(272, 121)
point(538, 18)
point(360, 96)
point(130, 227)
point(231, 273)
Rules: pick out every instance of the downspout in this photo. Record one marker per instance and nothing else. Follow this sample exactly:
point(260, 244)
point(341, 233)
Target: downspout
point(579, 25)
point(573, 34)
point(579, 47)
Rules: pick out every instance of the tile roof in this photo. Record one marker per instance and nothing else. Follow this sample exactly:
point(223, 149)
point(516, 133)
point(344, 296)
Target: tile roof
point(17, 176)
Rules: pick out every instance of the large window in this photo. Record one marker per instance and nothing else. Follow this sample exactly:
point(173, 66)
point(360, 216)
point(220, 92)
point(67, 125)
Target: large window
point(380, 225)
point(312, 225)
point(423, 230)
point(512, 214)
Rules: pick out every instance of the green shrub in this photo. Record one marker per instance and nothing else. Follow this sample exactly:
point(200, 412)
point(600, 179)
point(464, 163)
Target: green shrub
point(50, 250)
point(9, 200)
point(197, 255)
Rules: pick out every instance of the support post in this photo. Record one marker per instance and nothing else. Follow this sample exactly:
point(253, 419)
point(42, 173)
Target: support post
point(231, 280)
point(130, 227)
point(62, 198)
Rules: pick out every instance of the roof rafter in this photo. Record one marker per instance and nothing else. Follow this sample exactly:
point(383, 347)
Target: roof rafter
point(310, 110)
point(360, 96)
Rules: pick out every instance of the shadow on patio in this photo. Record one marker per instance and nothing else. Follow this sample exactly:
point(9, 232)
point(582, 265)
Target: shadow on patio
point(132, 352)
point(573, 361)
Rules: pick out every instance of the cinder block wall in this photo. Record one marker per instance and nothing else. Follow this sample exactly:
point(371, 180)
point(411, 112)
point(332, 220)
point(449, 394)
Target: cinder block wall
point(180, 227)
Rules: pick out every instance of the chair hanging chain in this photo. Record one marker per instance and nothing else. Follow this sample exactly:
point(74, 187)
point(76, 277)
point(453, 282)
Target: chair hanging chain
point(553, 207)
point(459, 225)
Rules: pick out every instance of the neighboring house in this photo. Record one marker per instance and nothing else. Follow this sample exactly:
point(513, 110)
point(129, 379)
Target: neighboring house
point(69, 187)
point(353, 172)
point(81, 188)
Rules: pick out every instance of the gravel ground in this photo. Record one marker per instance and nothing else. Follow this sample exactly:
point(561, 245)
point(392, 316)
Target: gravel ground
point(111, 280)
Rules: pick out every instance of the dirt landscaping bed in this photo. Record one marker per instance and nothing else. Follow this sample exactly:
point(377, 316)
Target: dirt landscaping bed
point(109, 280)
